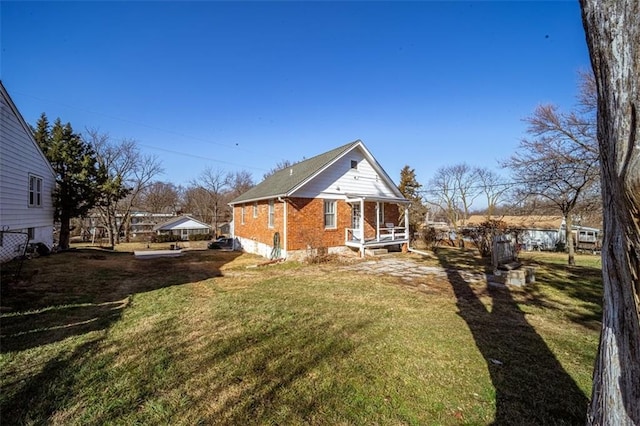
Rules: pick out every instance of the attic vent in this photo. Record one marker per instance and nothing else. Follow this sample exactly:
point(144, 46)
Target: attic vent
point(354, 164)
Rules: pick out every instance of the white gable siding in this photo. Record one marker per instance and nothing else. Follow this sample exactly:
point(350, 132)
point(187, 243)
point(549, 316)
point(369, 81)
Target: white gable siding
point(340, 179)
point(188, 224)
point(19, 158)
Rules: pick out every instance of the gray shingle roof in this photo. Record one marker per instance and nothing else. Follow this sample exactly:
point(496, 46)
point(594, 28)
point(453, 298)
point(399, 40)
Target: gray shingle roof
point(175, 220)
point(283, 181)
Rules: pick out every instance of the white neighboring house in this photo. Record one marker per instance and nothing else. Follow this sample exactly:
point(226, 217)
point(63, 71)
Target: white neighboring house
point(182, 226)
point(27, 181)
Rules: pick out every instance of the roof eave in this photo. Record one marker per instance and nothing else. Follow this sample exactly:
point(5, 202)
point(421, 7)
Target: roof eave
point(252, 200)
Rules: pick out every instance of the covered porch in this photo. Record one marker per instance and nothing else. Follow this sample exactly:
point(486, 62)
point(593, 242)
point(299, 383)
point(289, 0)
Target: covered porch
point(371, 225)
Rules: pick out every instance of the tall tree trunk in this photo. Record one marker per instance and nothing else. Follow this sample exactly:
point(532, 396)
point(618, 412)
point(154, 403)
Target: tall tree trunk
point(65, 231)
point(568, 234)
point(613, 36)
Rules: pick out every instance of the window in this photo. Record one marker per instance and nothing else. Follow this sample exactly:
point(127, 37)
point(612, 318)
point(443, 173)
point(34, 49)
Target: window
point(31, 233)
point(272, 213)
point(329, 214)
point(255, 209)
point(354, 164)
point(242, 214)
point(35, 191)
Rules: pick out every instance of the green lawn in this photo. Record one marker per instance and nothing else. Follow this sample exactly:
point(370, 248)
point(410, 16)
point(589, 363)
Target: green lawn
point(92, 337)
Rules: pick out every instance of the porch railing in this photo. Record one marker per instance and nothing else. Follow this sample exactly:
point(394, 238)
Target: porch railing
point(382, 234)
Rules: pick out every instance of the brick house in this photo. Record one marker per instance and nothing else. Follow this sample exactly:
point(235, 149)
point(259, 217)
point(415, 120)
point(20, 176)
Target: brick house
point(337, 201)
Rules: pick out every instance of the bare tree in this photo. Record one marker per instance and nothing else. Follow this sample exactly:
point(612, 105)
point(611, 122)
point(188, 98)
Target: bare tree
point(215, 184)
point(560, 162)
point(613, 37)
point(492, 186)
point(127, 168)
point(453, 190)
point(197, 201)
point(239, 183)
point(160, 197)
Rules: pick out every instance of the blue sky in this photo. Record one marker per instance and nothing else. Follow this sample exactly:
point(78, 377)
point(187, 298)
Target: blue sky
point(244, 85)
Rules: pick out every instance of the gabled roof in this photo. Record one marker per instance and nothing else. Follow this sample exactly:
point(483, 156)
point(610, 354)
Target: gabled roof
point(285, 182)
point(181, 222)
point(24, 125)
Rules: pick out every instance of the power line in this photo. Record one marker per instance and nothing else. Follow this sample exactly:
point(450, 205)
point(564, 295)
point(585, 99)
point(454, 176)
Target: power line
point(201, 157)
point(171, 132)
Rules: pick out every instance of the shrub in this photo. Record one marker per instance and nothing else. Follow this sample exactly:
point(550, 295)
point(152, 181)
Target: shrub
point(166, 238)
point(483, 235)
point(200, 237)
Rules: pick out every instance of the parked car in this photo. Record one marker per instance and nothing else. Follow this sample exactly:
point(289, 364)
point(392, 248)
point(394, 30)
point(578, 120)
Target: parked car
point(221, 244)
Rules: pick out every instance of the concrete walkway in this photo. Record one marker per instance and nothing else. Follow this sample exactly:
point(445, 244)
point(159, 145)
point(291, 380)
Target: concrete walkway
point(411, 271)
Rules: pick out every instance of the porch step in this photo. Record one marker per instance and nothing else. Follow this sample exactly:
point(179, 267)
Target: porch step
point(376, 251)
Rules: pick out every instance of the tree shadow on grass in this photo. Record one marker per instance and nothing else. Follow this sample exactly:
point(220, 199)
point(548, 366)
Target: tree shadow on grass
point(531, 385)
point(33, 401)
point(80, 291)
point(580, 284)
point(73, 294)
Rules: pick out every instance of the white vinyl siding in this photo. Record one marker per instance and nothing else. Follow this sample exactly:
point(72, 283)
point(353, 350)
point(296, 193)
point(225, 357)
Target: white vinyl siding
point(330, 214)
point(340, 179)
point(20, 159)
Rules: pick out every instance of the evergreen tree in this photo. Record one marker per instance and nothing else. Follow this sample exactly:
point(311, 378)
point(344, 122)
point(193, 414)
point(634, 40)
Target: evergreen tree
point(410, 189)
point(79, 179)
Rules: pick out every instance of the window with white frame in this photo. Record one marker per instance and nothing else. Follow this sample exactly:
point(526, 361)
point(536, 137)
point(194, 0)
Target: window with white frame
point(242, 214)
point(35, 191)
point(255, 209)
point(381, 213)
point(330, 214)
point(272, 213)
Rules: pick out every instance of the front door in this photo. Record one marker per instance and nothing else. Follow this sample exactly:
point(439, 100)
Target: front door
point(356, 214)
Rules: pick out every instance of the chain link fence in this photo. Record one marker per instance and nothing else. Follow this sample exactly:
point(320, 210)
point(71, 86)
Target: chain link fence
point(14, 246)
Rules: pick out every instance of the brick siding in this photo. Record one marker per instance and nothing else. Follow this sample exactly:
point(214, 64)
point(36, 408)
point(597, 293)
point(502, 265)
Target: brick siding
point(305, 219)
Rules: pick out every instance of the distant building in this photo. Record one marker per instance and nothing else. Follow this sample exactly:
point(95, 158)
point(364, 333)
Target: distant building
point(539, 232)
point(182, 226)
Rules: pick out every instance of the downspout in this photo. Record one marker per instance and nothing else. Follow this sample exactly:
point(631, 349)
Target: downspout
point(232, 228)
point(284, 230)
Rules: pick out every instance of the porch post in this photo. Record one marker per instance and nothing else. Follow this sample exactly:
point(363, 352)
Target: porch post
point(377, 220)
point(406, 224)
point(361, 227)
